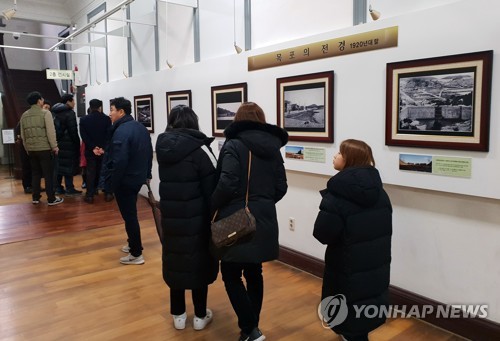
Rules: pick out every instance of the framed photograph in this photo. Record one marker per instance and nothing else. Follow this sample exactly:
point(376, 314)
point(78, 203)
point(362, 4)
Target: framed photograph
point(441, 102)
point(175, 98)
point(143, 108)
point(226, 99)
point(305, 106)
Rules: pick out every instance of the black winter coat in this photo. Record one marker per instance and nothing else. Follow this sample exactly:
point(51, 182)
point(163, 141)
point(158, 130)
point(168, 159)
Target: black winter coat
point(187, 179)
point(68, 139)
point(355, 221)
point(129, 156)
point(94, 129)
point(267, 186)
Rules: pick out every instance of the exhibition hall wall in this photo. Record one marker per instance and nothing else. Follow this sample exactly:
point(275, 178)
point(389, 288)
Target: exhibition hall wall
point(446, 229)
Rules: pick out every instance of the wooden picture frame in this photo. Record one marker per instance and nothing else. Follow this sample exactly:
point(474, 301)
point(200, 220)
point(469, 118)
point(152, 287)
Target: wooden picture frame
point(175, 98)
point(305, 106)
point(441, 102)
point(143, 109)
point(226, 99)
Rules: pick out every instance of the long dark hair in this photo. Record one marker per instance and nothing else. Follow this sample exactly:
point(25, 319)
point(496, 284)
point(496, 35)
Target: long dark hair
point(182, 116)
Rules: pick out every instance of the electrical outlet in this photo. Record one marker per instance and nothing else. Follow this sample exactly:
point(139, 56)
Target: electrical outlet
point(291, 223)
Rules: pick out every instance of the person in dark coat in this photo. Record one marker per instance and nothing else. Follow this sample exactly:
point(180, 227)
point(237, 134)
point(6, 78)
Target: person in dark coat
point(25, 161)
point(94, 131)
point(128, 167)
point(68, 159)
point(355, 221)
point(186, 166)
point(268, 185)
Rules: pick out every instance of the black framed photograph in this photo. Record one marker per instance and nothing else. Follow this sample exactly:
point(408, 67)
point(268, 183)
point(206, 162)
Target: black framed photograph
point(226, 99)
point(441, 102)
point(175, 98)
point(143, 108)
point(305, 106)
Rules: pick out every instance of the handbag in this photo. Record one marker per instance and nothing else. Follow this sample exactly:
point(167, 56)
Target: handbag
point(239, 226)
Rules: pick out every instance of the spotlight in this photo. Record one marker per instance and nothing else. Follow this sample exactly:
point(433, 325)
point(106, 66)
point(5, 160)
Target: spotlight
point(11, 12)
point(374, 13)
point(170, 65)
point(73, 27)
point(237, 48)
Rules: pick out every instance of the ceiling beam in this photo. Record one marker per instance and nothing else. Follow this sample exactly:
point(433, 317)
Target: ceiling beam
point(92, 24)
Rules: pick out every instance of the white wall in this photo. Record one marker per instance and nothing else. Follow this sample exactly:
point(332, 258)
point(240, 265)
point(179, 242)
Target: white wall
point(23, 59)
point(445, 245)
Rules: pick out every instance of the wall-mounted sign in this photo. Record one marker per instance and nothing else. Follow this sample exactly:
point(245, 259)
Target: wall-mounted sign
point(367, 41)
point(59, 74)
point(305, 153)
point(8, 136)
point(439, 165)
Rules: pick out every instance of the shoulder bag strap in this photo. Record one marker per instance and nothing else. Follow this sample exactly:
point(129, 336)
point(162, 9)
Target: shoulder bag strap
point(248, 184)
point(248, 176)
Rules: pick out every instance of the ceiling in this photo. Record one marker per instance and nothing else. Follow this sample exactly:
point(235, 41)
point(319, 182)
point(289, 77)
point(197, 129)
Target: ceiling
point(60, 12)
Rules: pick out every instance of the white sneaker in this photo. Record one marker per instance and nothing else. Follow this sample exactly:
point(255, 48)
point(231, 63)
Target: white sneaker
point(125, 248)
point(129, 259)
point(200, 323)
point(180, 321)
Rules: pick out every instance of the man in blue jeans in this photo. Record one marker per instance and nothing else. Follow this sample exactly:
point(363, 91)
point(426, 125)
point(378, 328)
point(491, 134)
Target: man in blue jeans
point(128, 167)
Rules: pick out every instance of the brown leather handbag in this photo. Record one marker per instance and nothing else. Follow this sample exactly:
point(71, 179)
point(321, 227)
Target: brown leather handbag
point(239, 225)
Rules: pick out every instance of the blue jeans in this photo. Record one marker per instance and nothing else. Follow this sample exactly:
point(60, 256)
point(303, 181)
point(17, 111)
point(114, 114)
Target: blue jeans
point(126, 198)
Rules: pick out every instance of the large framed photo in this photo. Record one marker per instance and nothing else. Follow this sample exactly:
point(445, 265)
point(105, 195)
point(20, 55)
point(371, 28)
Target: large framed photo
point(143, 108)
point(226, 99)
point(175, 98)
point(441, 102)
point(305, 106)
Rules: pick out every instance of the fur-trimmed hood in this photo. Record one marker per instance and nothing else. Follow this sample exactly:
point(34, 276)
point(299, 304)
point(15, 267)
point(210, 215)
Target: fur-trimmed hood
point(261, 138)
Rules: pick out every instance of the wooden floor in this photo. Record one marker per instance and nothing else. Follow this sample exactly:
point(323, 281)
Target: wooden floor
point(60, 279)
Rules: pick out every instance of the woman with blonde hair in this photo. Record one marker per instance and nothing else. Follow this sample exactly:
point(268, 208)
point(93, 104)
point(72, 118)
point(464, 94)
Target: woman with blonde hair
point(355, 221)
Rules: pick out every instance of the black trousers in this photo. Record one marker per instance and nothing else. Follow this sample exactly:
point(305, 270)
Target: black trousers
point(26, 167)
point(42, 165)
point(178, 301)
point(94, 165)
point(246, 301)
point(126, 198)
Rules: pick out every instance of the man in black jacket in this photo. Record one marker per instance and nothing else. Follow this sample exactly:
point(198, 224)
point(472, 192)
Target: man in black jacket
point(94, 130)
point(128, 167)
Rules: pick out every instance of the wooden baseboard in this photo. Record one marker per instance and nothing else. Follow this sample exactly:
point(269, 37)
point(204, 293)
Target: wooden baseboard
point(472, 328)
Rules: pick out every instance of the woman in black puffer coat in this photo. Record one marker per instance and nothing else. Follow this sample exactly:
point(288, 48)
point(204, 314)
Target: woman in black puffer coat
point(187, 179)
point(268, 185)
point(355, 221)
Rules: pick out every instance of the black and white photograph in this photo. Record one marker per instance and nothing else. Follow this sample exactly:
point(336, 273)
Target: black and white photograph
point(175, 98)
point(441, 102)
point(431, 103)
point(143, 108)
point(226, 100)
point(305, 106)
